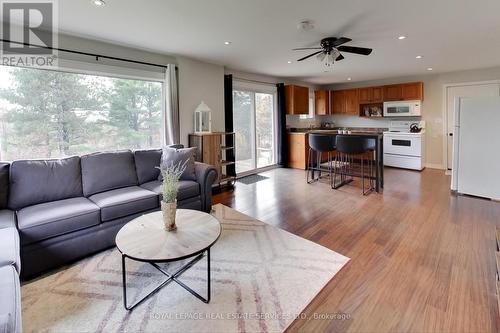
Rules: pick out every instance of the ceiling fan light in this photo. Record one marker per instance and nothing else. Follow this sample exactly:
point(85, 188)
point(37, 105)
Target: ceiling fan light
point(321, 56)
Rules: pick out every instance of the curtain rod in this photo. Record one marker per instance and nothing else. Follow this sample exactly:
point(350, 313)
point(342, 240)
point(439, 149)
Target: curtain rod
point(97, 56)
point(255, 81)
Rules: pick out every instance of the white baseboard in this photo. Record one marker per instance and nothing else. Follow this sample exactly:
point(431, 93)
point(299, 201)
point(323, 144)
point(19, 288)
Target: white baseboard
point(434, 166)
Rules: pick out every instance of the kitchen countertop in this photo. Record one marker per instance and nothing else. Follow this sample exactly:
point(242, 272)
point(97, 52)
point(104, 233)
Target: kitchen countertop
point(354, 130)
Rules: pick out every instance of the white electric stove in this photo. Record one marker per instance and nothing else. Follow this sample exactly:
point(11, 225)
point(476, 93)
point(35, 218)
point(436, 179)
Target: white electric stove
point(404, 148)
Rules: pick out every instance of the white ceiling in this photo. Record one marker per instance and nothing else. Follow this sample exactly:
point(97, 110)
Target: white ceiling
point(450, 34)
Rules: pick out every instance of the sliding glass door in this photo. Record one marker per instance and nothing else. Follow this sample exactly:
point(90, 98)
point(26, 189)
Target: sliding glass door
point(254, 125)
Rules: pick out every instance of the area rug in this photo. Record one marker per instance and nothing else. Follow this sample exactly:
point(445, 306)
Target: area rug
point(262, 278)
point(252, 179)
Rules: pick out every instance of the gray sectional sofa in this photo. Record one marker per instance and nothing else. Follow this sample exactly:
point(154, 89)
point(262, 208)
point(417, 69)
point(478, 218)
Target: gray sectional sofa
point(53, 212)
point(10, 262)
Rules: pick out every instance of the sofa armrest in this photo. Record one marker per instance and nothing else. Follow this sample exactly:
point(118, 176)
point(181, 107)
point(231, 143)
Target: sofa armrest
point(205, 176)
point(7, 219)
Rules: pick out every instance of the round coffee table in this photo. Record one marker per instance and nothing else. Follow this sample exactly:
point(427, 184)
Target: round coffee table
point(145, 239)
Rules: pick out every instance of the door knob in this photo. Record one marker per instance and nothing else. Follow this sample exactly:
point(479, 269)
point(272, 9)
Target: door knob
point(450, 134)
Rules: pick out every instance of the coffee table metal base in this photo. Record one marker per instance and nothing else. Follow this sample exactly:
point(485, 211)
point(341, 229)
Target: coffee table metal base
point(170, 277)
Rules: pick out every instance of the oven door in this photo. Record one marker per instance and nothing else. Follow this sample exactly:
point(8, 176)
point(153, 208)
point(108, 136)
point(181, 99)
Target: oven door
point(403, 145)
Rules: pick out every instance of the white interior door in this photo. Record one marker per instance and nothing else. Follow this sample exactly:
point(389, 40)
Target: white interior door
point(452, 95)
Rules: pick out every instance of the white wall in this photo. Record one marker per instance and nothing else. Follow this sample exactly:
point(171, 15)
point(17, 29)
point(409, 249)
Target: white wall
point(199, 82)
point(112, 50)
point(433, 104)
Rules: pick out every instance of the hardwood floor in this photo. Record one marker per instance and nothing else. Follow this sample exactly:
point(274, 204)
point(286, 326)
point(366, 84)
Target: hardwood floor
point(422, 260)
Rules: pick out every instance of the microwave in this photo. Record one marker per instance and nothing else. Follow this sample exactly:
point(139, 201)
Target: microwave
point(403, 109)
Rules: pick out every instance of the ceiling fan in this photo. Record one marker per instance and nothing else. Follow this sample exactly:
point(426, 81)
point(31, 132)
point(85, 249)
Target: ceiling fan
point(330, 48)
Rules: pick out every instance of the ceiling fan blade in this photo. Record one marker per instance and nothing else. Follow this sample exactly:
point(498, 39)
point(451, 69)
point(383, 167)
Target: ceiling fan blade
point(341, 40)
point(356, 50)
point(307, 48)
point(340, 57)
point(311, 55)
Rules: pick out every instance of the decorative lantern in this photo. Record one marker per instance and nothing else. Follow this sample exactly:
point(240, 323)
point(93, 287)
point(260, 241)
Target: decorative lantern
point(203, 119)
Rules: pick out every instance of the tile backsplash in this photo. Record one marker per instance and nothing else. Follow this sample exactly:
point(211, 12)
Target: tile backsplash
point(304, 122)
point(341, 121)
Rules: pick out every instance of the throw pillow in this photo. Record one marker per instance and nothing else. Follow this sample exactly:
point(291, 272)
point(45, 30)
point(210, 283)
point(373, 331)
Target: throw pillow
point(172, 156)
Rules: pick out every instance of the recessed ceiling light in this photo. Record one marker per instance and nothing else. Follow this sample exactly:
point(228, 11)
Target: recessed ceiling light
point(430, 69)
point(349, 79)
point(419, 57)
point(227, 43)
point(289, 62)
point(401, 37)
point(98, 3)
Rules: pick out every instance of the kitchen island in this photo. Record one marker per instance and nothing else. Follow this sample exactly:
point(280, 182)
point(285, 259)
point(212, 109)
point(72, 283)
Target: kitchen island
point(298, 147)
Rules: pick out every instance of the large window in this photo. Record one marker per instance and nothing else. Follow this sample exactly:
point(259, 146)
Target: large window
point(45, 113)
point(254, 125)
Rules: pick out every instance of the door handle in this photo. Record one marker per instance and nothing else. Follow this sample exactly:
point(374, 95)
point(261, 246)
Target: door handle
point(450, 134)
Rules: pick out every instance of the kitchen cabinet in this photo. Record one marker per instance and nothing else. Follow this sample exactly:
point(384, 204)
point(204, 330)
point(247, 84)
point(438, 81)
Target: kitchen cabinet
point(351, 102)
point(393, 92)
point(371, 95)
point(298, 150)
point(348, 101)
point(404, 92)
point(298, 146)
point(297, 99)
point(321, 102)
point(345, 102)
point(365, 95)
point(337, 102)
point(412, 91)
point(378, 95)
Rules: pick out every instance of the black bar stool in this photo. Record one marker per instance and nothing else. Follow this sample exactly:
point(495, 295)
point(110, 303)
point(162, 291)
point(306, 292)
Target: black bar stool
point(319, 143)
point(347, 147)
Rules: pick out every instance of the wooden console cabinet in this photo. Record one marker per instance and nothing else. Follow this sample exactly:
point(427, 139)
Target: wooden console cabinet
point(216, 149)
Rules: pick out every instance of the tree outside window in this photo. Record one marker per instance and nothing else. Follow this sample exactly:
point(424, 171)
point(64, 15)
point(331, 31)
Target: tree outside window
point(51, 114)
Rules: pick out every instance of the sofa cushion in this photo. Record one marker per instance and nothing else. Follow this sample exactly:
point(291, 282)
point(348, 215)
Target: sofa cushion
point(37, 181)
point(4, 184)
point(187, 189)
point(9, 248)
point(107, 171)
point(55, 218)
point(183, 156)
point(147, 163)
point(7, 219)
point(124, 201)
point(10, 294)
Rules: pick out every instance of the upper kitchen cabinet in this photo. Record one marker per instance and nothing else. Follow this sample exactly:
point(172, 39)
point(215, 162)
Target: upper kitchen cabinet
point(351, 102)
point(297, 99)
point(404, 92)
point(393, 92)
point(337, 102)
point(321, 102)
point(370, 95)
point(345, 102)
point(413, 91)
